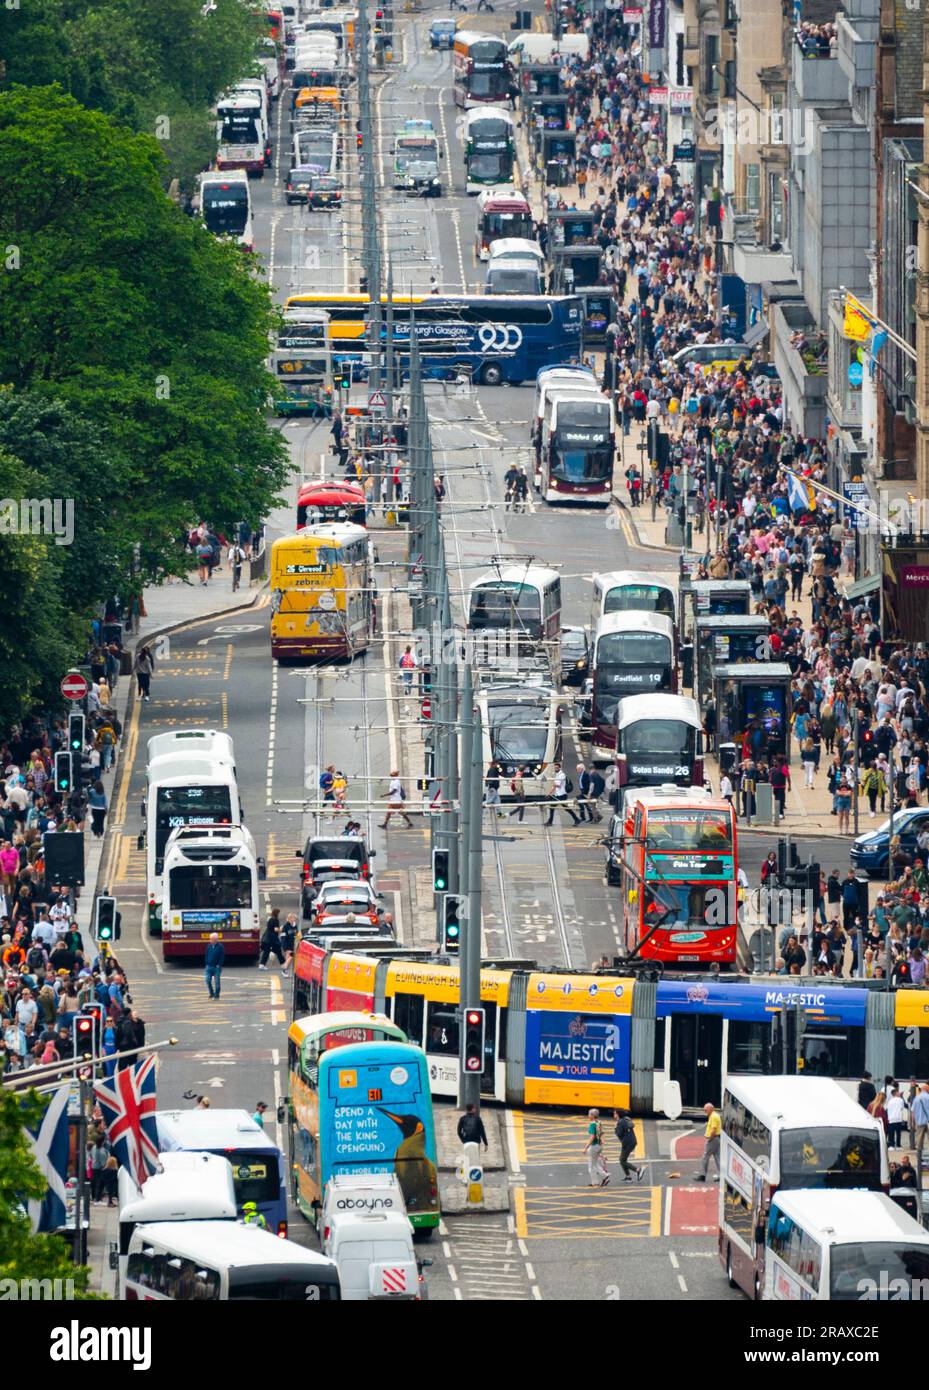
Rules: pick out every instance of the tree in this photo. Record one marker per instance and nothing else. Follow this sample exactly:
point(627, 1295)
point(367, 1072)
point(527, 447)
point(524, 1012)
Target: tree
point(138, 319)
point(24, 1255)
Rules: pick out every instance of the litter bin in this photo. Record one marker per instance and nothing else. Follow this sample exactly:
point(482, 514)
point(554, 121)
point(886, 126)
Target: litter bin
point(764, 803)
point(727, 757)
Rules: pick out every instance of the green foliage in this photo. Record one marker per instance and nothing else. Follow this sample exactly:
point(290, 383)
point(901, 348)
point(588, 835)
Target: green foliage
point(136, 61)
point(22, 1254)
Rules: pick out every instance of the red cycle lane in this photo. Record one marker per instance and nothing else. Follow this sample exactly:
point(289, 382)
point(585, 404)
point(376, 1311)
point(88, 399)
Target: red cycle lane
point(692, 1210)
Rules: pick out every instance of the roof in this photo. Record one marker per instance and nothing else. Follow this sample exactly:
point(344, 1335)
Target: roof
point(210, 1129)
point(337, 531)
point(658, 706)
point(619, 579)
point(634, 621)
point(231, 1242)
point(495, 113)
point(840, 1218)
point(171, 1195)
point(660, 796)
point(477, 36)
point(807, 1100)
point(754, 670)
point(317, 1025)
point(529, 576)
point(727, 622)
point(712, 586)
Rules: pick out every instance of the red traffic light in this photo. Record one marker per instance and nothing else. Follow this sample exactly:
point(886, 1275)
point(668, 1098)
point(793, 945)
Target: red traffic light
point(473, 1018)
point(85, 1025)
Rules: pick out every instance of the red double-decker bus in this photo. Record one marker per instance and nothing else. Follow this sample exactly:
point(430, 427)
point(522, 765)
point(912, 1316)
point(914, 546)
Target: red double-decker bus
point(330, 501)
point(678, 877)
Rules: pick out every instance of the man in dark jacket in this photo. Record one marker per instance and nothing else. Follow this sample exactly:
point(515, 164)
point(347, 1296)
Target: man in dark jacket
point(271, 943)
point(866, 1091)
point(130, 1035)
point(471, 1127)
point(215, 957)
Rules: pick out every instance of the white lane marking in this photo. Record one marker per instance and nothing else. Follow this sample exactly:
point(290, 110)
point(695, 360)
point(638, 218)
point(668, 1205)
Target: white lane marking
point(272, 728)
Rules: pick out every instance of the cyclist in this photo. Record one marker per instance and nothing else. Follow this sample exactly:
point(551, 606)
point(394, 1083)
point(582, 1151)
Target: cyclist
point(522, 491)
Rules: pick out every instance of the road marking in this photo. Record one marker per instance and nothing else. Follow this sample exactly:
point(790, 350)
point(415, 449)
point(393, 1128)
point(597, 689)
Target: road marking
point(628, 1212)
point(228, 666)
point(272, 719)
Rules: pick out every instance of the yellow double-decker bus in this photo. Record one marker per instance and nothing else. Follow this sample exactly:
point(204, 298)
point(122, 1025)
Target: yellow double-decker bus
point(321, 595)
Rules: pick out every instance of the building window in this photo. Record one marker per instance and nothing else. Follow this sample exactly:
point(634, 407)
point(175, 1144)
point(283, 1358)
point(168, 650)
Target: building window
point(776, 118)
point(711, 71)
point(752, 187)
point(776, 207)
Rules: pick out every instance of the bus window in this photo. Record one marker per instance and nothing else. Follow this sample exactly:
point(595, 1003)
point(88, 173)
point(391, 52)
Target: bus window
point(408, 1015)
point(749, 1047)
point(828, 1053)
point(442, 1030)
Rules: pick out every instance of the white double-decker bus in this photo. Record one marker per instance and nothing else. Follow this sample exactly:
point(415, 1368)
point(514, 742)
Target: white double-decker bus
point(783, 1133)
point(209, 883)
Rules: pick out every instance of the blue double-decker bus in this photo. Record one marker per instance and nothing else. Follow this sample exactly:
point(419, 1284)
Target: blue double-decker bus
point(488, 338)
point(360, 1103)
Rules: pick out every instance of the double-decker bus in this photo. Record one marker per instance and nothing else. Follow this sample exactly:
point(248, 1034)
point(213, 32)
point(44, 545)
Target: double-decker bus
point(678, 878)
point(659, 740)
point(257, 1162)
point(210, 884)
point(562, 381)
point(489, 148)
point(360, 1107)
point(518, 608)
point(577, 448)
point(489, 338)
point(183, 791)
point(226, 206)
point(302, 363)
point(331, 501)
point(782, 1133)
point(243, 136)
point(482, 69)
point(636, 591)
point(501, 215)
point(321, 593)
point(632, 653)
point(846, 1247)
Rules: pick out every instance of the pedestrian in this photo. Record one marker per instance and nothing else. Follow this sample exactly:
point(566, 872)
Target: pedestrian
point(271, 940)
point(584, 808)
point(492, 787)
point(96, 800)
point(339, 788)
point(289, 940)
point(258, 1115)
point(204, 553)
point(396, 797)
point(326, 781)
point(213, 965)
point(251, 1216)
point(878, 1109)
point(866, 1090)
point(598, 1172)
point(625, 1133)
point(558, 797)
point(518, 788)
point(130, 1036)
point(597, 786)
point(471, 1127)
point(710, 1142)
point(99, 1154)
point(144, 668)
point(237, 558)
point(920, 1113)
point(896, 1118)
point(407, 667)
point(780, 782)
point(849, 900)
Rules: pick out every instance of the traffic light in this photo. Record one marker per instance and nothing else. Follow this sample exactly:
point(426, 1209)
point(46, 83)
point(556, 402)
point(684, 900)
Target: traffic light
point(440, 862)
point(451, 924)
point(425, 680)
point(83, 1030)
point(473, 1051)
point(345, 377)
point(76, 733)
point(866, 745)
point(105, 919)
point(63, 773)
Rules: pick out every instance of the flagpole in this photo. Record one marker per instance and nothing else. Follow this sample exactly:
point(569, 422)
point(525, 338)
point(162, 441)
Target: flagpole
point(846, 501)
point(872, 318)
point(25, 1080)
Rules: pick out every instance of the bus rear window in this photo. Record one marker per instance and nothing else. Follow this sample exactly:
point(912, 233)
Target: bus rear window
point(255, 1178)
point(822, 1157)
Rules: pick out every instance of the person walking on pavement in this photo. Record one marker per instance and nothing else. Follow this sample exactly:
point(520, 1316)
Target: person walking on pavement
point(596, 788)
point(237, 558)
point(396, 796)
point(866, 1090)
point(921, 1120)
point(144, 668)
point(625, 1133)
point(559, 795)
point(710, 1142)
point(471, 1127)
point(130, 1036)
point(597, 1170)
point(213, 965)
point(271, 943)
point(407, 665)
point(339, 446)
point(96, 801)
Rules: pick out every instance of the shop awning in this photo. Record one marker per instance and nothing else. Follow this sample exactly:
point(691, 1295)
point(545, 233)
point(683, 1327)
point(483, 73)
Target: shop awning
point(861, 587)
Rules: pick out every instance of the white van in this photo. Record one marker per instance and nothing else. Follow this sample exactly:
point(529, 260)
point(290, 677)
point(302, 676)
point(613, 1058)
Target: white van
point(193, 1186)
point(540, 48)
point(360, 1194)
point(375, 1257)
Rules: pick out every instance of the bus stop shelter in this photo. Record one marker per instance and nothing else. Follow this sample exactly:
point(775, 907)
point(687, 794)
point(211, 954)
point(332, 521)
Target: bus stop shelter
point(575, 267)
point(712, 597)
point(557, 155)
point(538, 80)
point(727, 639)
point(753, 698)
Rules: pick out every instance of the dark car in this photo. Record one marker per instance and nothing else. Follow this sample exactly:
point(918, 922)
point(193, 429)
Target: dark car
point(421, 179)
point(299, 183)
point(442, 33)
point(575, 655)
point(325, 192)
point(328, 859)
point(870, 852)
point(613, 842)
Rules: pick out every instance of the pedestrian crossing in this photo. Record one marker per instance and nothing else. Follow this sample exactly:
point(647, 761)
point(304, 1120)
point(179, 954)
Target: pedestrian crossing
point(484, 1260)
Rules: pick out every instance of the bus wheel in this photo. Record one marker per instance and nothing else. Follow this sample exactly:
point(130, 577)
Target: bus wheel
point(491, 375)
point(422, 1233)
point(733, 1284)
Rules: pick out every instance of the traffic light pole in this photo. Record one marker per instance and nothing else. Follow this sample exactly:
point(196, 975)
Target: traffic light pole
point(471, 964)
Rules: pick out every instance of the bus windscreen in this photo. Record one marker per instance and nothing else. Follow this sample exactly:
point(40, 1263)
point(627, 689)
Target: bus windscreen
point(225, 208)
point(642, 598)
point(210, 885)
point(518, 733)
point(688, 830)
point(830, 1157)
point(193, 805)
point(504, 605)
point(634, 649)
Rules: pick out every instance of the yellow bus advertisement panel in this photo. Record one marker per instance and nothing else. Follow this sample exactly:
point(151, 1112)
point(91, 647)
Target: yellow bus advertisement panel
point(911, 1008)
point(440, 983)
point(320, 593)
point(578, 1040)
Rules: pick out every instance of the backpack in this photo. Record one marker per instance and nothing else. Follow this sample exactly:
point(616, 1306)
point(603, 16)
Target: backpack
point(625, 1132)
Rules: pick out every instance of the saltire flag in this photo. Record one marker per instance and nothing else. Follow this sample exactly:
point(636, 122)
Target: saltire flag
point(49, 1144)
point(128, 1104)
point(858, 322)
point(800, 494)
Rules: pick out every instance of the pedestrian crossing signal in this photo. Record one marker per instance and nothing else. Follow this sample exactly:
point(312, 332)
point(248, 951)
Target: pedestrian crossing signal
point(473, 1050)
point(451, 924)
point(76, 733)
point(63, 772)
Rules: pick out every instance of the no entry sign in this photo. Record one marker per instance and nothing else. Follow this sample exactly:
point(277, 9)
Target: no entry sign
point(74, 686)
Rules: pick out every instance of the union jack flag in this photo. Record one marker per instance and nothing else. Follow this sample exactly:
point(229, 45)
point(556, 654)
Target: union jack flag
point(128, 1104)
